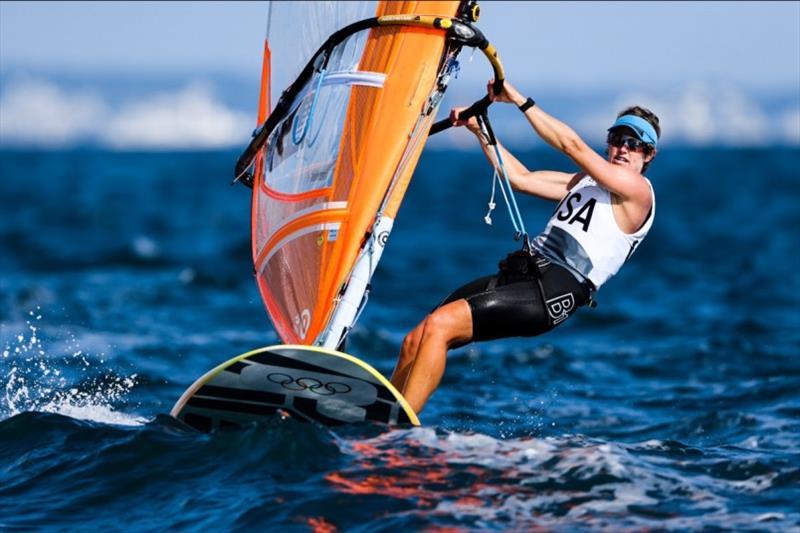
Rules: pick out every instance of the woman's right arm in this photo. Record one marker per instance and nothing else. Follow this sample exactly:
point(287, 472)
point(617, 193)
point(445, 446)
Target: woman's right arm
point(547, 184)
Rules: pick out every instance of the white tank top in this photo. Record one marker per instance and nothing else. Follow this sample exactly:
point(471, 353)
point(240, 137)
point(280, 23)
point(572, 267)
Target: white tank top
point(583, 236)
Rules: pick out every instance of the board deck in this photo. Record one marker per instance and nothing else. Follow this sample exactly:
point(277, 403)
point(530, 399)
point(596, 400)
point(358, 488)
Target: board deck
point(306, 382)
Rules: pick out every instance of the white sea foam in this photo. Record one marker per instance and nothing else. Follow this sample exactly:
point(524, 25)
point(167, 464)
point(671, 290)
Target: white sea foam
point(145, 247)
point(36, 381)
point(544, 482)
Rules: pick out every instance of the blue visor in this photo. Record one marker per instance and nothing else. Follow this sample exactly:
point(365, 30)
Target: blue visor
point(643, 129)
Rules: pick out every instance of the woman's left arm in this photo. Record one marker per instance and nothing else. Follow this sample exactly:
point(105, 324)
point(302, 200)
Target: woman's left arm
point(624, 182)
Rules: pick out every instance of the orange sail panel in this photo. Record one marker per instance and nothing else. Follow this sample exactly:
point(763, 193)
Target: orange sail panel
point(333, 172)
point(264, 107)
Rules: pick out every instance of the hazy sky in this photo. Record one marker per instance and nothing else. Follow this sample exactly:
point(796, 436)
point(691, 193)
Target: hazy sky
point(549, 43)
point(719, 73)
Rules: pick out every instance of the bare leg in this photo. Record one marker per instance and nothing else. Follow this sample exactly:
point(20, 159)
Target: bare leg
point(408, 353)
point(422, 358)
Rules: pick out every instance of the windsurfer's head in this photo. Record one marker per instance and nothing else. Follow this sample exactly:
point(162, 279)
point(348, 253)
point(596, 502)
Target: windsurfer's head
point(632, 139)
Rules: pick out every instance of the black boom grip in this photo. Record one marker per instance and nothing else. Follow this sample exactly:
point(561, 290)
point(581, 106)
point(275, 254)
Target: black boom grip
point(474, 110)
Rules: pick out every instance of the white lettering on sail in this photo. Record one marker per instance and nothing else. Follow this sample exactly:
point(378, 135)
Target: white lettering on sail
point(301, 323)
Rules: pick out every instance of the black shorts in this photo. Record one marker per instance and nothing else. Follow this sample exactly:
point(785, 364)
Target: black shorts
point(514, 306)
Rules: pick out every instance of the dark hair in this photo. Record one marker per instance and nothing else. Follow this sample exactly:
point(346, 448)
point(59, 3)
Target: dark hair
point(644, 113)
point(649, 116)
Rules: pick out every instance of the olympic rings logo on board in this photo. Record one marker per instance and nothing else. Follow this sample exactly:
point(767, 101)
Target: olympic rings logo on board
point(310, 384)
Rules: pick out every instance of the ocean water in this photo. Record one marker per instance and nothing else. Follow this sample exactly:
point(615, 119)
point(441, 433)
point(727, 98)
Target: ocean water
point(675, 405)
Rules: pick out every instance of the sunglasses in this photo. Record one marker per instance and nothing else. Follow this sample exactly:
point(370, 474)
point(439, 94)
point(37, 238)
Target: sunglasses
point(620, 139)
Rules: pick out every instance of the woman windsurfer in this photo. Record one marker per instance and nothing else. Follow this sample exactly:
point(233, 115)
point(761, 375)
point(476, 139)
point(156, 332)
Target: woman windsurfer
point(605, 211)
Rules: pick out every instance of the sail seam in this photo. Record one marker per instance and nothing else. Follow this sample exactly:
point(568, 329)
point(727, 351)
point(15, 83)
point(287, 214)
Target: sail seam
point(297, 234)
point(302, 213)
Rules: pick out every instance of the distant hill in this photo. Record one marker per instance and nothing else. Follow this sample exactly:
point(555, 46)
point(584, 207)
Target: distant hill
point(217, 110)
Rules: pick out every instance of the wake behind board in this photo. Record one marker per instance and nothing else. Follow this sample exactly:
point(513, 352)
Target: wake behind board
point(307, 382)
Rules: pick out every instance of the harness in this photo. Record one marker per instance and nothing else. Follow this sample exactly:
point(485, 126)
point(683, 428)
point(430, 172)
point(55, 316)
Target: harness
point(527, 264)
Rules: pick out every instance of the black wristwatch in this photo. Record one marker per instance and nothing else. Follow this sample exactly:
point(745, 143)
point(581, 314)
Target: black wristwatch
point(529, 103)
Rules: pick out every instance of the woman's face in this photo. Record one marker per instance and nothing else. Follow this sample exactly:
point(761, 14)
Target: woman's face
point(627, 150)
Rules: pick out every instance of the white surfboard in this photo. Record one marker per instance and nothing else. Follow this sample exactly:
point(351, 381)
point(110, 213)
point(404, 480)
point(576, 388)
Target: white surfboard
point(306, 382)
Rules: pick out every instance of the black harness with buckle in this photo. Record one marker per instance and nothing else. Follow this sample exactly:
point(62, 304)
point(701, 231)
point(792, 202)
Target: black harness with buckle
point(528, 264)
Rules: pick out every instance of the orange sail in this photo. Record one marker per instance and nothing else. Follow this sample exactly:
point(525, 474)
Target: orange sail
point(341, 149)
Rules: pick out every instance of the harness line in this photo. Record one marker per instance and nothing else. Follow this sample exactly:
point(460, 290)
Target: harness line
point(505, 183)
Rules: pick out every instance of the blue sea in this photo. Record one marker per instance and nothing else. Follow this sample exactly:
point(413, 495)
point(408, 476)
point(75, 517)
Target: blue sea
point(672, 406)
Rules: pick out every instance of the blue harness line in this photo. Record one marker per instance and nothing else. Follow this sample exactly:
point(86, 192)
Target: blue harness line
point(505, 183)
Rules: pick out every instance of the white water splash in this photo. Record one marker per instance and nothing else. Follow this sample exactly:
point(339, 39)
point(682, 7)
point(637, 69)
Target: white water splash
point(37, 382)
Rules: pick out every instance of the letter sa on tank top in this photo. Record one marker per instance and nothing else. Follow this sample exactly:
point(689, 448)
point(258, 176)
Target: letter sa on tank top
point(583, 235)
